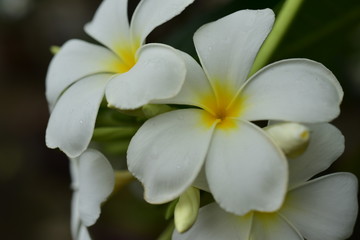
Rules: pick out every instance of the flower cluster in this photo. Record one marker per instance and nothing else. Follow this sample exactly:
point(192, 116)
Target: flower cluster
point(208, 140)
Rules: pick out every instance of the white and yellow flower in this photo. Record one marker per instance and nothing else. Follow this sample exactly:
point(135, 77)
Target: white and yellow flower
point(132, 74)
point(93, 181)
point(317, 209)
point(244, 167)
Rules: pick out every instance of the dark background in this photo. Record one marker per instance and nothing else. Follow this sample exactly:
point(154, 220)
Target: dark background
point(34, 181)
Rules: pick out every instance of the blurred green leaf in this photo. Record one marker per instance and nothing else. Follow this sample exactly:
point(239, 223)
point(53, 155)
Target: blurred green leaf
point(319, 28)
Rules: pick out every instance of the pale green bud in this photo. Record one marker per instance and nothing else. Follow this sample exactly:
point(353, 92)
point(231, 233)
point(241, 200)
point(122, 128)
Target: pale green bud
point(54, 49)
point(292, 138)
point(187, 209)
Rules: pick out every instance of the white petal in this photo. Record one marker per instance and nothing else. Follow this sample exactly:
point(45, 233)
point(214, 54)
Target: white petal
point(245, 170)
point(72, 121)
point(213, 223)
point(78, 231)
point(83, 234)
point(74, 169)
point(75, 215)
point(292, 90)
point(151, 13)
point(201, 181)
point(159, 73)
point(195, 86)
point(96, 182)
point(271, 226)
point(227, 48)
point(326, 145)
point(167, 153)
point(325, 208)
point(75, 221)
point(110, 25)
point(76, 60)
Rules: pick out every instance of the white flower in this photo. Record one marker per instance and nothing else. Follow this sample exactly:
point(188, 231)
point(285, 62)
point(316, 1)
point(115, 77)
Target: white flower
point(92, 181)
point(245, 169)
point(131, 73)
point(318, 209)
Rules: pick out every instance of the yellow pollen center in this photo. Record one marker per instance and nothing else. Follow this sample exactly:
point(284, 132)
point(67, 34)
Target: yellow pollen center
point(222, 107)
point(127, 58)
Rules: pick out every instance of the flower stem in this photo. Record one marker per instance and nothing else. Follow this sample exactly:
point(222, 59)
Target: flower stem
point(282, 23)
point(106, 134)
point(167, 233)
point(122, 178)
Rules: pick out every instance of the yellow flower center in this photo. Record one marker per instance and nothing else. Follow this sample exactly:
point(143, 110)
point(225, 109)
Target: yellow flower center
point(128, 59)
point(223, 107)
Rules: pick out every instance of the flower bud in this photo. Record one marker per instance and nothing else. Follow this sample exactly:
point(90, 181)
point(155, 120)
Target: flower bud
point(54, 49)
point(292, 138)
point(187, 209)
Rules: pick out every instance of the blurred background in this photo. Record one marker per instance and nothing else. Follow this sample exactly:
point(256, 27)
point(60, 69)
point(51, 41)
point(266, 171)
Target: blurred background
point(34, 180)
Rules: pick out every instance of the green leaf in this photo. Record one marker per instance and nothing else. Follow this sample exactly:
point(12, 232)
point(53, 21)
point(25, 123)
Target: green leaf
point(319, 28)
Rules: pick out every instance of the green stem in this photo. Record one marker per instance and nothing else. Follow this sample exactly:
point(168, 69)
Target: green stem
point(122, 178)
point(111, 118)
point(167, 233)
point(103, 134)
point(116, 147)
point(169, 212)
point(282, 23)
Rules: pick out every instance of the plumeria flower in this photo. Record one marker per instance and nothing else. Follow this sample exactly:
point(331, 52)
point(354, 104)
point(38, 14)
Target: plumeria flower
point(92, 182)
point(132, 74)
point(317, 209)
point(245, 169)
